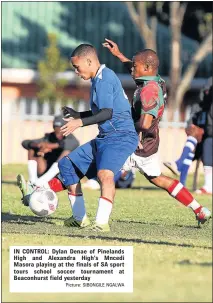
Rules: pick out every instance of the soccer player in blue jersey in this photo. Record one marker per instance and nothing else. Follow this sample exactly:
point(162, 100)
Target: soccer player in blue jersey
point(105, 155)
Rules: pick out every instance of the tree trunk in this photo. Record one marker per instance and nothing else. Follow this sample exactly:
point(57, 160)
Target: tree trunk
point(204, 49)
point(176, 17)
point(139, 17)
point(175, 71)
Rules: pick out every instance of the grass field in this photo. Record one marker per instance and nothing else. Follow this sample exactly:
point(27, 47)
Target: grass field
point(172, 257)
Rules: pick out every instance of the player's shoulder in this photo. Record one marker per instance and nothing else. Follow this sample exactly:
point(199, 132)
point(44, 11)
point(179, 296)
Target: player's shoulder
point(151, 85)
point(108, 75)
point(149, 90)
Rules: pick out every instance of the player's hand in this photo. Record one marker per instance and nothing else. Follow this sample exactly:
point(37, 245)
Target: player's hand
point(70, 126)
point(43, 151)
point(68, 112)
point(112, 46)
point(195, 131)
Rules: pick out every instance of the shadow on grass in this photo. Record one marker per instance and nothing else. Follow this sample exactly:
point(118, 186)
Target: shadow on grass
point(9, 182)
point(113, 238)
point(27, 220)
point(154, 223)
point(188, 262)
point(142, 241)
point(140, 188)
point(146, 188)
point(62, 231)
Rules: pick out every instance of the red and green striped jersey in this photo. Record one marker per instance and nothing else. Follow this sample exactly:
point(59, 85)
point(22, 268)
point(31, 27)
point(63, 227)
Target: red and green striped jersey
point(149, 98)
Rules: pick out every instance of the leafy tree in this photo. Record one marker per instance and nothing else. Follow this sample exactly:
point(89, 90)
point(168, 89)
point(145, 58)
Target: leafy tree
point(51, 87)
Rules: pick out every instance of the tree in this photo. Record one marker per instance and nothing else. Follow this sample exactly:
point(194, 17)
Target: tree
point(176, 9)
point(51, 88)
point(179, 83)
point(203, 50)
point(138, 14)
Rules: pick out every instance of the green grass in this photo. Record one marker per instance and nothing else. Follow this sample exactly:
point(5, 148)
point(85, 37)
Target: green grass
point(172, 257)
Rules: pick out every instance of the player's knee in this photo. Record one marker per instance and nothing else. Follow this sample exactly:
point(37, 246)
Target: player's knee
point(106, 176)
point(152, 180)
point(156, 180)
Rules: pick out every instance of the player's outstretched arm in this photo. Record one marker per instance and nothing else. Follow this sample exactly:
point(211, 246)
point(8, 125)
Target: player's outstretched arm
point(113, 48)
point(68, 112)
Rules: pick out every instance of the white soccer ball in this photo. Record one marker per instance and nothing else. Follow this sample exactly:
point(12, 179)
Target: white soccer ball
point(43, 202)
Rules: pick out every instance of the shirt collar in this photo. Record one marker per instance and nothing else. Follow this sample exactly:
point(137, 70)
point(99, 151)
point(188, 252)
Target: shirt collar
point(99, 72)
point(148, 78)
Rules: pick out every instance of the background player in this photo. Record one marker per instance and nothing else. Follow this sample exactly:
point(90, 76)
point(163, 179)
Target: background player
point(44, 154)
point(199, 130)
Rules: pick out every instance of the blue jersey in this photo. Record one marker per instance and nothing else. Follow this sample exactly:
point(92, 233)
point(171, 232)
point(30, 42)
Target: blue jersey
point(107, 92)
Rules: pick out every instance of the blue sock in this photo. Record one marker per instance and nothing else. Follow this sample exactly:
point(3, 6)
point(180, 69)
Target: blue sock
point(185, 168)
point(189, 147)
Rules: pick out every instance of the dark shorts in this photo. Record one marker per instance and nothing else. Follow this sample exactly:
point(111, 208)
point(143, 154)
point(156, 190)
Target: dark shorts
point(207, 157)
point(198, 151)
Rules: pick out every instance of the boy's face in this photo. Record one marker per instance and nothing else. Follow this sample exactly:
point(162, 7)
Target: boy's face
point(57, 130)
point(139, 69)
point(82, 66)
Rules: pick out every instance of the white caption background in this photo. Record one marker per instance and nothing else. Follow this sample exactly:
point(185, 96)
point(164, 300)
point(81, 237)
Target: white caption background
point(71, 269)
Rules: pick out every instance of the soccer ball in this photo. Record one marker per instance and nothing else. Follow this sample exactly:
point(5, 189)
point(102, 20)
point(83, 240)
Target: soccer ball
point(43, 202)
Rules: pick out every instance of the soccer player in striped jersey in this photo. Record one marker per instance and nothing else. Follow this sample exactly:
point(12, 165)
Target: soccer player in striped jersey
point(147, 109)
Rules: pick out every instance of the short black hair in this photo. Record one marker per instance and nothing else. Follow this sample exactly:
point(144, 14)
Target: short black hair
point(83, 50)
point(149, 57)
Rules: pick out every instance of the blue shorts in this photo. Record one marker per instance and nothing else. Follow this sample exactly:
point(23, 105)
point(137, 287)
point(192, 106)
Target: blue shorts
point(104, 152)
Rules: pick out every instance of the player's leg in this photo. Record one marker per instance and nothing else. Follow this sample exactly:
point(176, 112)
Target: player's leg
point(188, 149)
point(36, 165)
point(32, 165)
point(112, 154)
point(51, 179)
point(207, 160)
point(32, 158)
point(72, 169)
point(71, 178)
point(151, 168)
point(105, 203)
point(195, 155)
point(53, 169)
point(181, 194)
point(185, 160)
point(27, 188)
point(42, 166)
point(182, 165)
